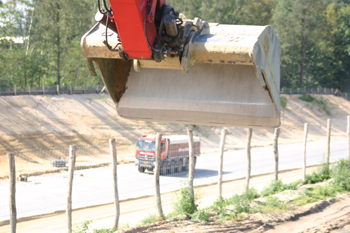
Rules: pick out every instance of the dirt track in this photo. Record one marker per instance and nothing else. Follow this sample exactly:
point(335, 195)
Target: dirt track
point(322, 217)
point(329, 216)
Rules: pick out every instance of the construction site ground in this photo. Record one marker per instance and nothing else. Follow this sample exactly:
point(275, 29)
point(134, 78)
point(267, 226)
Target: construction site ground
point(46, 122)
point(329, 216)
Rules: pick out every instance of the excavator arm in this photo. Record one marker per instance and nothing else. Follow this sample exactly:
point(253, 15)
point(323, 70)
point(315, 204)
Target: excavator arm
point(159, 66)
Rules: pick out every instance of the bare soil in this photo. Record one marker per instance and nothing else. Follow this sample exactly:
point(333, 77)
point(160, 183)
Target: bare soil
point(46, 122)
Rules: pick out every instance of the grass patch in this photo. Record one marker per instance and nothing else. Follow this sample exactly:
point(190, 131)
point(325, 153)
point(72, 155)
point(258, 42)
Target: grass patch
point(185, 203)
point(341, 174)
point(322, 174)
point(279, 186)
point(151, 218)
point(242, 202)
point(283, 101)
point(313, 194)
point(307, 98)
point(317, 101)
point(85, 227)
point(272, 204)
point(202, 214)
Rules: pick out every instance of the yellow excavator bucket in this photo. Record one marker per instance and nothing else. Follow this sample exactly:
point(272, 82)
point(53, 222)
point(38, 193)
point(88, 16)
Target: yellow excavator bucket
point(230, 77)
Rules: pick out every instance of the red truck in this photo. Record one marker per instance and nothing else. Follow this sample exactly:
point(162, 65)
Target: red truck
point(173, 159)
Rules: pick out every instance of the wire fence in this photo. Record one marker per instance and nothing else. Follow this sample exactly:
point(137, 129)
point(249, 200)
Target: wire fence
point(90, 89)
point(50, 90)
point(317, 90)
point(44, 161)
point(39, 193)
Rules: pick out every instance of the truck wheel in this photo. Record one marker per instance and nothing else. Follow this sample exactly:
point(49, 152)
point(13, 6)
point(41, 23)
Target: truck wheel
point(163, 168)
point(172, 167)
point(141, 169)
point(150, 169)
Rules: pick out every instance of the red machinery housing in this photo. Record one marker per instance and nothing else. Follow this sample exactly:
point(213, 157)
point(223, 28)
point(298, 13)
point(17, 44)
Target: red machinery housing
point(129, 16)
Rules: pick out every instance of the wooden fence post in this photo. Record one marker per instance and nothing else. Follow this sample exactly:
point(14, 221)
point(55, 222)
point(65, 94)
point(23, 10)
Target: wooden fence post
point(71, 166)
point(12, 196)
point(70, 89)
point(15, 90)
point(97, 88)
point(221, 164)
point(275, 151)
point(348, 132)
point(346, 96)
point(58, 89)
point(249, 162)
point(43, 89)
point(157, 173)
point(306, 129)
point(191, 160)
point(84, 88)
point(328, 141)
point(113, 153)
point(29, 90)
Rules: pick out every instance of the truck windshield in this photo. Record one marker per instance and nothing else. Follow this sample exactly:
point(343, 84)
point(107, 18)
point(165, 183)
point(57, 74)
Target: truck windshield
point(145, 145)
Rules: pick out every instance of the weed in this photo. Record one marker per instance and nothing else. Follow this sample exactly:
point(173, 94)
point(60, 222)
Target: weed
point(151, 218)
point(322, 174)
point(242, 202)
point(232, 216)
point(324, 106)
point(195, 127)
point(313, 194)
point(283, 101)
point(123, 226)
point(341, 174)
point(318, 101)
point(272, 204)
point(206, 133)
point(105, 230)
point(103, 97)
point(202, 214)
point(307, 98)
point(90, 100)
point(185, 202)
point(47, 97)
point(279, 186)
point(219, 206)
point(83, 228)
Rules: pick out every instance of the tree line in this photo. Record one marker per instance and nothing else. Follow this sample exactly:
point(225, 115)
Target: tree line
point(314, 38)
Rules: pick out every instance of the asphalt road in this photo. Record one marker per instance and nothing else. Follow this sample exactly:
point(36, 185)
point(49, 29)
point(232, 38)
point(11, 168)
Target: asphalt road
point(47, 193)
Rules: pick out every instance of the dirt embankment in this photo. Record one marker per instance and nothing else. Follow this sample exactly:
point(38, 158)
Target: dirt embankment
point(45, 122)
point(32, 122)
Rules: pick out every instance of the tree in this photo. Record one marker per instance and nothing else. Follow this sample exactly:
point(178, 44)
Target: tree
point(336, 48)
point(299, 25)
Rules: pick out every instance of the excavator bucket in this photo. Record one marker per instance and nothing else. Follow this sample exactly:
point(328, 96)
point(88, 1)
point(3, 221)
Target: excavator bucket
point(230, 76)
